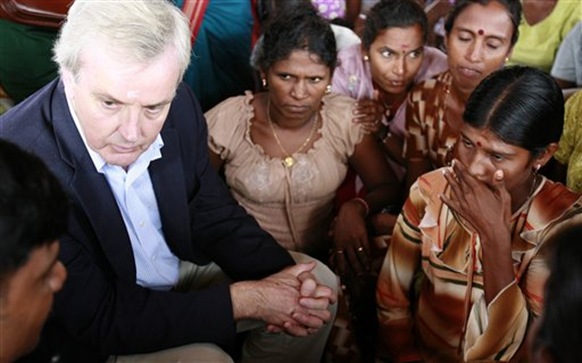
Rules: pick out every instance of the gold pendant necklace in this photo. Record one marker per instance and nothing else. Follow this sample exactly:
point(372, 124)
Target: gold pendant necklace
point(288, 160)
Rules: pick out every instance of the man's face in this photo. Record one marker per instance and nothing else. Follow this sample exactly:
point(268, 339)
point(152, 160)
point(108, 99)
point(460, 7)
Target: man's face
point(121, 105)
point(26, 298)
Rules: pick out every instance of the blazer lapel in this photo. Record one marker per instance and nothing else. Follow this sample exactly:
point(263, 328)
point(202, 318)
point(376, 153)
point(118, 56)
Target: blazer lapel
point(92, 192)
point(167, 175)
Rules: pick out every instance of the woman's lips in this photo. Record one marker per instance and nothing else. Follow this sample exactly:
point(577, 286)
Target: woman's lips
point(469, 72)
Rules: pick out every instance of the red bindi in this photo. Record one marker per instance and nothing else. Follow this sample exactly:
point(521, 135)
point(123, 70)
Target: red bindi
point(478, 143)
point(480, 32)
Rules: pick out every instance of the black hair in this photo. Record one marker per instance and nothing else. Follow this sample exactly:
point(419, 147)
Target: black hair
point(299, 28)
point(523, 106)
point(513, 8)
point(393, 14)
point(33, 207)
point(267, 10)
point(560, 330)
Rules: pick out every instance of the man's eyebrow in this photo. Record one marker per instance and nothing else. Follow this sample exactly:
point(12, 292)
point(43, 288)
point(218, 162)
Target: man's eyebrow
point(105, 96)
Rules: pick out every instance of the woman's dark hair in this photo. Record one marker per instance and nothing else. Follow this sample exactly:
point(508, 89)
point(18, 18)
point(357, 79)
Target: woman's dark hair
point(267, 10)
point(523, 106)
point(393, 14)
point(300, 28)
point(560, 330)
point(513, 8)
point(33, 207)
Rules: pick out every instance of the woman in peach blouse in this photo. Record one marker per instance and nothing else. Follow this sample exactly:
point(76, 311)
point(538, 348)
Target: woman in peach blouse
point(284, 152)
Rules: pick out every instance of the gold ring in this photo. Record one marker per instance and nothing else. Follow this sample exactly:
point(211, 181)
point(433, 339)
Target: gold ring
point(360, 249)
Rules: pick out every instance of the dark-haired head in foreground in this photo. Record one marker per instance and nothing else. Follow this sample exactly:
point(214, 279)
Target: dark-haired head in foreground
point(33, 214)
point(558, 335)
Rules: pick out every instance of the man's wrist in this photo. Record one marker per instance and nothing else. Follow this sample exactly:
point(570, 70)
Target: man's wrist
point(244, 299)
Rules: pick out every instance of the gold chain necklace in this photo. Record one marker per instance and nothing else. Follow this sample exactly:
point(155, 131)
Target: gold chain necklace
point(288, 160)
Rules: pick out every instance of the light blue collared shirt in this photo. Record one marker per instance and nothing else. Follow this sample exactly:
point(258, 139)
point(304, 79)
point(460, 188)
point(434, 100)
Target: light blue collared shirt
point(156, 266)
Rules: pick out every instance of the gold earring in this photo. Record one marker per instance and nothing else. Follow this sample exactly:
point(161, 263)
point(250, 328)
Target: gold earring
point(264, 82)
point(506, 59)
point(537, 168)
point(366, 58)
point(328, 89)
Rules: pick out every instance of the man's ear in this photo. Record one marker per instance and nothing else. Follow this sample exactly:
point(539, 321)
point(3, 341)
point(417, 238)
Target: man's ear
point(546, 155)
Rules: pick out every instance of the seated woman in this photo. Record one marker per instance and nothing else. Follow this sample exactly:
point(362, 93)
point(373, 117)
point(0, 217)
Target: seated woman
point(285, 151)
point(462, 278)
point(545, 25)
point(480, 37)
point(379, 73)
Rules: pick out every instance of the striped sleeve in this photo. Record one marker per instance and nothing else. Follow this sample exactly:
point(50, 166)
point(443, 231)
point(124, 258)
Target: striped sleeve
point(400, 265)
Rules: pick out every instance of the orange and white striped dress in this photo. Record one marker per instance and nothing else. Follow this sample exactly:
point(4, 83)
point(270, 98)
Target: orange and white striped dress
point(430, 293)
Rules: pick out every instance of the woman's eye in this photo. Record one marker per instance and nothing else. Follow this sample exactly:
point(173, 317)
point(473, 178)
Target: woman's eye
point(315, 79)
point(386, 54)
point(493, 46)
point(467, 143)
point(415, 54)
point(496, 157)
point(285, 76)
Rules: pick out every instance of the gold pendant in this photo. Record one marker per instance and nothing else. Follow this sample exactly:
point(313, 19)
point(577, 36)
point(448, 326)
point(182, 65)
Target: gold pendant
point(288, 161)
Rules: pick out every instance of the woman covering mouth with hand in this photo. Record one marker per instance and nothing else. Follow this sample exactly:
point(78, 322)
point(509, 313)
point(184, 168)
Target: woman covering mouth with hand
point(480, 38)
point(464, 277)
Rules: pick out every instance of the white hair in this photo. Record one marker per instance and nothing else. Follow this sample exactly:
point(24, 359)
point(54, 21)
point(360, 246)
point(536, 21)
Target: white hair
point(139, 30)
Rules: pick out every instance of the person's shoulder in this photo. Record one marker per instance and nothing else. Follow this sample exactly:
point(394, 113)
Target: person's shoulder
point(337, 105)
point(351, 52)
point(567, 8)
point(433, 63)
point(433, 181)
point(337, 113)
point(575, 102)
point(434, 53)
point(230, 118)
point(236, 105)
point(338, 100)
point(237, 101)
point(349, 59)
point(435, 57)
point(32, 115)
point(554, 198)
point(344, 37)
